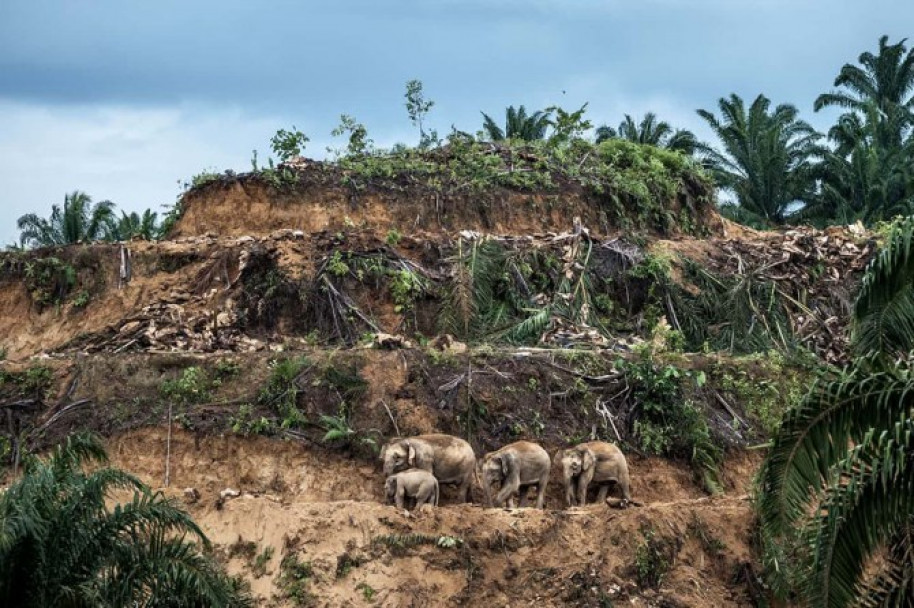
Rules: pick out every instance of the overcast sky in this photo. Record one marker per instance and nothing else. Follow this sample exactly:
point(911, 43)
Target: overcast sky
point(124, 100)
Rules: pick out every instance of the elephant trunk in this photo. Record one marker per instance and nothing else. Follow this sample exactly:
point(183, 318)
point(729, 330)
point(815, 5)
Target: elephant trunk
point(487, 490)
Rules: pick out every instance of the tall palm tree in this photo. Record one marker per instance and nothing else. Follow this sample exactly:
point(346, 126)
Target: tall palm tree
point(837, 487)
point(652, 132)
point(61, 545)
point(78, 220)
point(869, 171)
point(884, 80)
point(135, 225)
point(767, 156)
point(518, 125)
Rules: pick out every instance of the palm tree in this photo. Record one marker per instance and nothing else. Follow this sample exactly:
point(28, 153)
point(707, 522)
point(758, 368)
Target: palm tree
point(61, 545)
point(78, 221)
point(868, 175)
point(837, 487)
point(652, 132)
point(767, 156)
point(134, 225)
point(518, 125)
point(884, 80)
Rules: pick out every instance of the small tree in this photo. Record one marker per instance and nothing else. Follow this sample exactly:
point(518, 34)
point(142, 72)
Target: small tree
point(288, 144)
point(567, 126)
point(359, 143)
point(418, 107)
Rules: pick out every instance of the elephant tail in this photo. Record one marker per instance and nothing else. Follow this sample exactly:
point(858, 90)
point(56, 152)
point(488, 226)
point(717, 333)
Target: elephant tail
point(437, 493)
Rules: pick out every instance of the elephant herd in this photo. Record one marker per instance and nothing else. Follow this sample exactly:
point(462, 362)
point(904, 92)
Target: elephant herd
point(415, 466)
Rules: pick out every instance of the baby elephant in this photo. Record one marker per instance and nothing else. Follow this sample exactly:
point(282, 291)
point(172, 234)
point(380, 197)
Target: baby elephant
point(515, 468)
point(595, 462)
point(413, 483)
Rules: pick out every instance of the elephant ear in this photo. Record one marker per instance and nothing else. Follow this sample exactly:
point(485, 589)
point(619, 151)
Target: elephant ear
point(587, 460)
point(411, 455)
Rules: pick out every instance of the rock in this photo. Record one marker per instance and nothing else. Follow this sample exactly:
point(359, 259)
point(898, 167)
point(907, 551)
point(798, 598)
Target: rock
point(229, 493)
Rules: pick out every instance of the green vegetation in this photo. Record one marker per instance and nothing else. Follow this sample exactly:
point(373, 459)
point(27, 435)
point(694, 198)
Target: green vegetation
point(61, 545)
point(33, 382)
point(667, 421)
point(288, 144)
point(653, 559)
point(368, 592)
point(281, 391)
point(418, 107)
point(651, 132)
point(259, 565)
point(49, 280)
point(295, 581)
point(192, 386)
point(836, 487)
point(134, 225)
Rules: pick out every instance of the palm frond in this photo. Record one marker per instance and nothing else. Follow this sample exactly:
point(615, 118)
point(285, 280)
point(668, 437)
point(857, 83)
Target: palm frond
point(873, 500)
point(814, 437)
point(884, 310)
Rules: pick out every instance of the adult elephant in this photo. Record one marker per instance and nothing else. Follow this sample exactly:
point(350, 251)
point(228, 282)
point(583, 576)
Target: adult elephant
point(593, 462)
point(515, 468)
point(450, 459)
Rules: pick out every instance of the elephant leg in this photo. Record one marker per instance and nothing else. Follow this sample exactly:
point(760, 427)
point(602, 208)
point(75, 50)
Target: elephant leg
point(582, 491)
point(523, 491)
point(604, 490)
point(541, 492)
point(401, 492)
point(569, 493)
point(463, 490)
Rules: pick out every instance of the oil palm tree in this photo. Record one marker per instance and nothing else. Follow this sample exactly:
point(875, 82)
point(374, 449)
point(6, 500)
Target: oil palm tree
point(884, 81)
point(767, 156)
point(518, 125)
point(652, 132)
point(868, 173)
point(135, 225)
point(78, 221)
point(61, 545)
point(837, 487)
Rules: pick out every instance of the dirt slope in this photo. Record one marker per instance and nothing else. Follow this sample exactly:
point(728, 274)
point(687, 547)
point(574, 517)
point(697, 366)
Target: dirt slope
point(325, 511)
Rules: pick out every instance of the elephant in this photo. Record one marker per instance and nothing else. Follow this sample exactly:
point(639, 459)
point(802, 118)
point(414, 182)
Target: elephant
point(516, 467)
point(593, 462)
point(450, 459)
point(412, 483)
